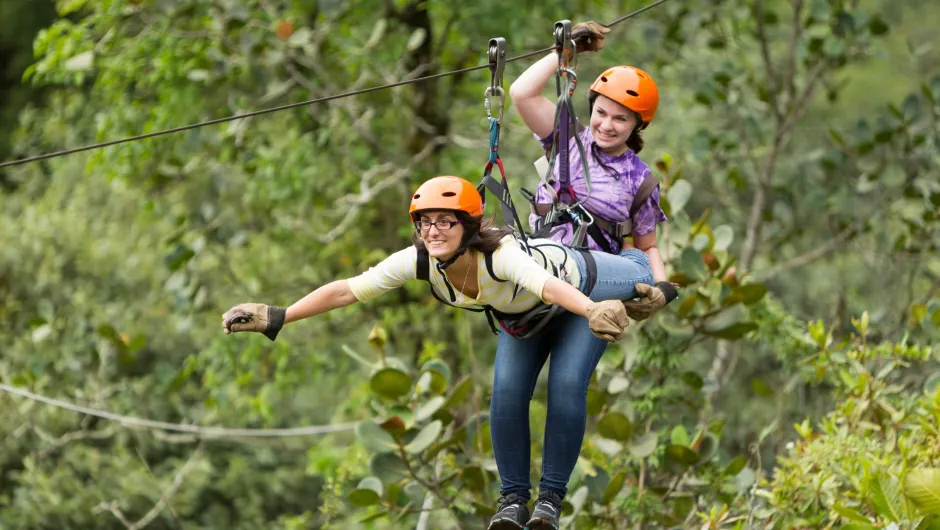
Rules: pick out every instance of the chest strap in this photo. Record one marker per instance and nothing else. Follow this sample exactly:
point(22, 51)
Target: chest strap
point(617, 230)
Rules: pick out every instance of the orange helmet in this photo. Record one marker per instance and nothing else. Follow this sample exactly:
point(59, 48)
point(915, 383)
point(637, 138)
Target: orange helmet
point(447, 193)
point(631, 87)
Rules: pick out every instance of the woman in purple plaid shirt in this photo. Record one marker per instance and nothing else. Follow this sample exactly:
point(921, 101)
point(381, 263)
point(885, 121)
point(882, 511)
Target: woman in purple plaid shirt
point(623, 102)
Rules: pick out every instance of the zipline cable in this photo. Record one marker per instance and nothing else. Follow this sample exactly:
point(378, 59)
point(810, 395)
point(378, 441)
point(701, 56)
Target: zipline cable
point(299, 104)
point(190, 429)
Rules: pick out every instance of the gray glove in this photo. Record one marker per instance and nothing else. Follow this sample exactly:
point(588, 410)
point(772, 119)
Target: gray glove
point(260, 318)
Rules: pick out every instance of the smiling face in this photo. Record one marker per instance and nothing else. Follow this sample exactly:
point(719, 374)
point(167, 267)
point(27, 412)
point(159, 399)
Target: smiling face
point(611, 125)
point(441, 233)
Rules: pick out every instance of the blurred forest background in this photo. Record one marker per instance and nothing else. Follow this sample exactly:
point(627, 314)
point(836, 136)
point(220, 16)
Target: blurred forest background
point(792, 385)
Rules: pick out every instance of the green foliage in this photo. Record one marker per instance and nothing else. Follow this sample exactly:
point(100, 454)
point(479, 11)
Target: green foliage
point(117, 263)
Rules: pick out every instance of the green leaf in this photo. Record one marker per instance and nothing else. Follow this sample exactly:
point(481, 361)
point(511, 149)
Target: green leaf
point(389, 467)
point(693, 380)
point(877, 25)
point(679, 436)
point(679, 194)
point(368, 493)
point(752, 292)
point(735, 466)
point(887, 498)
point(724, 236)
point(614, 487)
point(644, 445)
point(429, 408)
point(595, 401)
point(440, 374)
point(459, 394)
point(922, 487)
point(931, 384)
point(425, 438)
point(734, 331)
point(390, 383)
point(80, 62)
point(378, 337)
point(680, 457)
point(850, 514)
point(693, 264)
point(760, 387)
point(597, 484)
point(615, 426)
point(373, 438)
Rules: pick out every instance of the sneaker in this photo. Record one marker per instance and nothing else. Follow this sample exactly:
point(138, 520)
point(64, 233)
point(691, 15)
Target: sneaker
point(546, 513)
point(512, 513)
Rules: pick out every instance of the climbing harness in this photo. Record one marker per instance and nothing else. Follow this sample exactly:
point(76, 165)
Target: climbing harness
point(566, 207)
point(519, 325)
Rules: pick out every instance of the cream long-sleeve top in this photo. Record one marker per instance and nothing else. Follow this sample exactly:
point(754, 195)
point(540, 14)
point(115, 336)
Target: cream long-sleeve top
point(525, 275)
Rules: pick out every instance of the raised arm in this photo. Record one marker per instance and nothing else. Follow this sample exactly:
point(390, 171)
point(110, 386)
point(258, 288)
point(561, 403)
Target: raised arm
point(537, 111)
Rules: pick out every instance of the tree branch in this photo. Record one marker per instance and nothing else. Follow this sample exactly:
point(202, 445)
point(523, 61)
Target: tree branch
point(144, 521)
point(781, 139)
point(807, 258)
point(773, 87)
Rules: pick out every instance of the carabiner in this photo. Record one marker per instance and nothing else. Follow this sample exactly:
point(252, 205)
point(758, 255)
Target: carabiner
point(502, 101)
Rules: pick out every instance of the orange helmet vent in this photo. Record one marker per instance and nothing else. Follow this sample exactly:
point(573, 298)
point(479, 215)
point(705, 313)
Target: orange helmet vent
point(447, 193)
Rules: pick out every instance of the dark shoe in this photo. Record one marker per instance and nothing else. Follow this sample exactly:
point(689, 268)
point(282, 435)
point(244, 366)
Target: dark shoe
point(512, 513)
point(546, 513)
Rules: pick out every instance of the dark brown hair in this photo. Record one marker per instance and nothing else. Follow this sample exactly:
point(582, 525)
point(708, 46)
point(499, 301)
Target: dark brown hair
point(488, 235)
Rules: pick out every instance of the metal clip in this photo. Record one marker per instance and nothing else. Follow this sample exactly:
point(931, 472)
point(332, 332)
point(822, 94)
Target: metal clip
point(497, 58)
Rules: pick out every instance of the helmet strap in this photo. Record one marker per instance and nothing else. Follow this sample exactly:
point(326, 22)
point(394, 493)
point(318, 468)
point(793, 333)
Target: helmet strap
point(460, 252)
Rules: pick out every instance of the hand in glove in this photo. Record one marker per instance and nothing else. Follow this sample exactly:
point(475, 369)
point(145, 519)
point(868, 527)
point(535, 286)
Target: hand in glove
point(588, 36)
point(260, 318)
point(653, 297)
point(607, 319)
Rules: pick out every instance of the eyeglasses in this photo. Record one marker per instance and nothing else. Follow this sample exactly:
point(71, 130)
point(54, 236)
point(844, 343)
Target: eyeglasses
point(442, 225)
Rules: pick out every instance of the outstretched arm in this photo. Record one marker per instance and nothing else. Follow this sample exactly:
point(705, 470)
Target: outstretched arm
point(323, 299)
point(269, 319)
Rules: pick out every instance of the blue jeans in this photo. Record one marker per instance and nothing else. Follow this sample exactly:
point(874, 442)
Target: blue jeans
point(575, 352)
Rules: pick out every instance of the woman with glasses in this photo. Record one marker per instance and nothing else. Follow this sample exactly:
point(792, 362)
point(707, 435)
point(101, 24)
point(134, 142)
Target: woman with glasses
point(477, 266)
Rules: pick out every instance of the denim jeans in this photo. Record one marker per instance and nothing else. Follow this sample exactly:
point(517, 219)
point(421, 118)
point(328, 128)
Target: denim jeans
point(575, 352)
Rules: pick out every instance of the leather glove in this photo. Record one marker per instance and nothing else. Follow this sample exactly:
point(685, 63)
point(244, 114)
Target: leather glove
point(654, 297)
point(260, 318)
point(588, 36)
point(607, 319)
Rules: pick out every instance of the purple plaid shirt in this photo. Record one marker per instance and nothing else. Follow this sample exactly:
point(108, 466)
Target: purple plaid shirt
point(612, 191)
